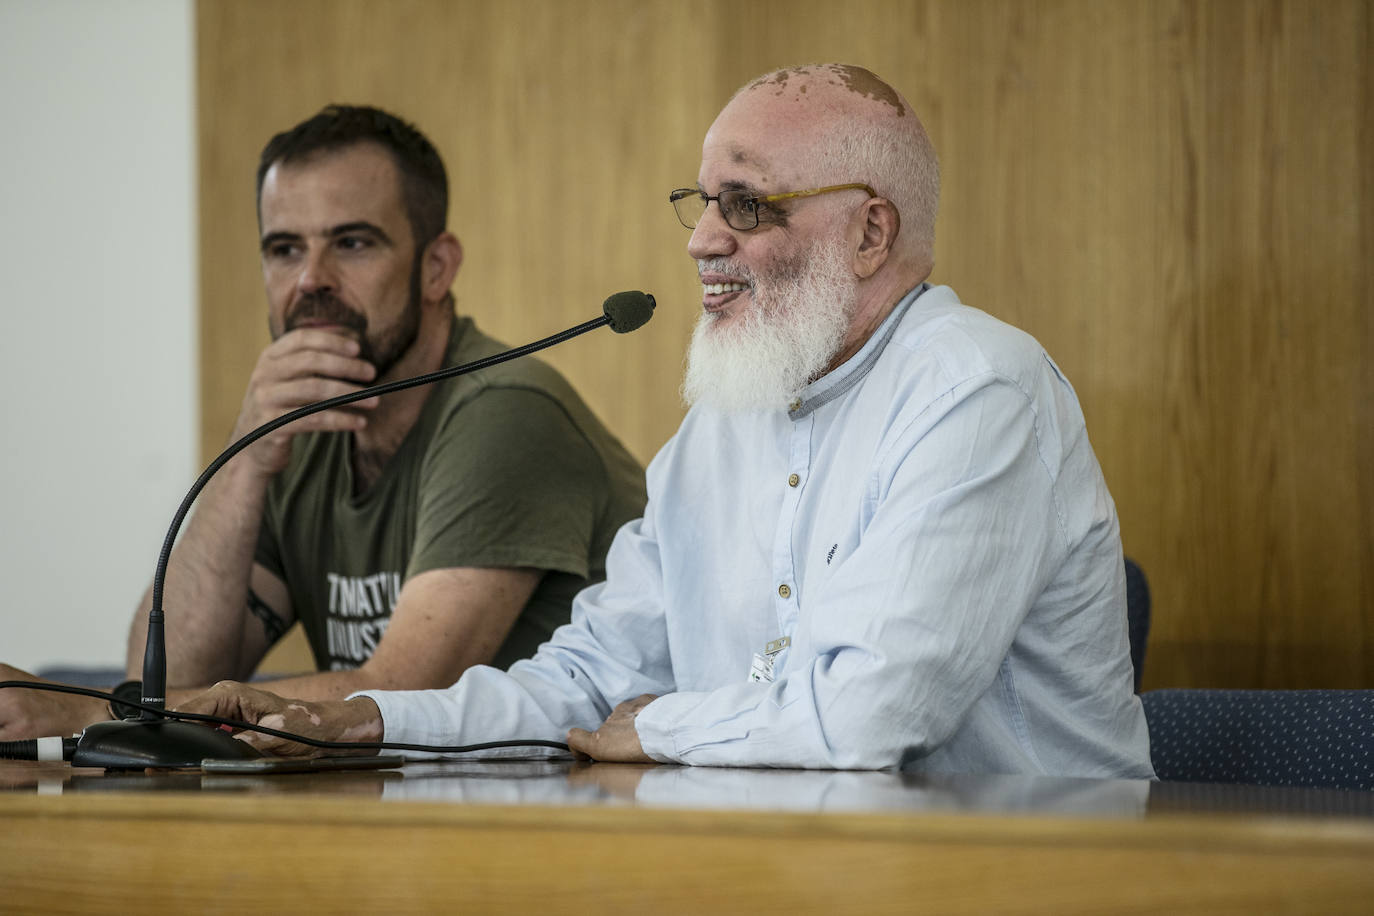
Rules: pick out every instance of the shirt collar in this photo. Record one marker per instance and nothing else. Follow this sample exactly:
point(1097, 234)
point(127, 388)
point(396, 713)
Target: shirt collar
point(852, 371)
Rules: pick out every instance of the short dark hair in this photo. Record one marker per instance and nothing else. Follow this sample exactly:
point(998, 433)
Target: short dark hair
point(424, 183)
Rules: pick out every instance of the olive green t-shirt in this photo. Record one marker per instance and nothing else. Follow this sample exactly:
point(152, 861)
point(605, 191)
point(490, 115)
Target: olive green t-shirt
point(504, 467)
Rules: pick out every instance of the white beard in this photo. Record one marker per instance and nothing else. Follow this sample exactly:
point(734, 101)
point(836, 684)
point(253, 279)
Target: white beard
point(795, 325)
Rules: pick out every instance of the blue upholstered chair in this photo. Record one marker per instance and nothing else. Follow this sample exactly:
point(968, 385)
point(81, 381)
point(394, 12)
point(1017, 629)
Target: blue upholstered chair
point(1137, 616)
point(1311, 738)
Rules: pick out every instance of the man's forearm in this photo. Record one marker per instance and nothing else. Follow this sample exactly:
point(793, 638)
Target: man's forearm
point(326, 685)
point(207, 584)
point(355, 721)
point(322, 685)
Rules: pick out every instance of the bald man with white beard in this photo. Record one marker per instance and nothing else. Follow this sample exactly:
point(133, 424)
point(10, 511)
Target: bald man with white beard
point(880, 535)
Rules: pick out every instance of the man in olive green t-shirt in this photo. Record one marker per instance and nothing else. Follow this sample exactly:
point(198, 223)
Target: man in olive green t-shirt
point(503, 468)
point(413, 535)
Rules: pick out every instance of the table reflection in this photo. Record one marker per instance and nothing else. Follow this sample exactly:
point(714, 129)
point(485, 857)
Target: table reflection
point(567, 783)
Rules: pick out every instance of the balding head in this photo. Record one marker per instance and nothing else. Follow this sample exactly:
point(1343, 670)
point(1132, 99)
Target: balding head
point(826, 124)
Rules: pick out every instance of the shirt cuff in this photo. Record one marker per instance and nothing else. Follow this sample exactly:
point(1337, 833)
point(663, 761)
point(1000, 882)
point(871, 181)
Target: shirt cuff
point(654, 725)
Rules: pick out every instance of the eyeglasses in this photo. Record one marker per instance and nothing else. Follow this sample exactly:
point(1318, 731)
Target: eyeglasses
point(739, 208)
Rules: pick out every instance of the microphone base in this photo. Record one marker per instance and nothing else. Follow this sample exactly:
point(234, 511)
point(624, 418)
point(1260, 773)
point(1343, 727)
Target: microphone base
point(136, 744)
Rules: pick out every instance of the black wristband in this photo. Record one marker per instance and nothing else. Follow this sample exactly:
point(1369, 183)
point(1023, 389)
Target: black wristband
point(127, 691)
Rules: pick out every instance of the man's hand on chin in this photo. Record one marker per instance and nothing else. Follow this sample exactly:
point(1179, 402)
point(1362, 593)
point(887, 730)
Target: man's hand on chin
point(324, 720)
point(616, 740)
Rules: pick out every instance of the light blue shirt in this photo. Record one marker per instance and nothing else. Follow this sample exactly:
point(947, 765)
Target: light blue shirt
point(928, 531)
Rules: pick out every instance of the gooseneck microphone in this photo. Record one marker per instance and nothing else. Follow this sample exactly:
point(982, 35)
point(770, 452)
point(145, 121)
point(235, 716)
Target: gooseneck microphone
point(150, 739)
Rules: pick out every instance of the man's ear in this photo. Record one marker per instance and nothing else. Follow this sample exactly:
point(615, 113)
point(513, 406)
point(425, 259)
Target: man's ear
point(876, 223)
point(439, 265)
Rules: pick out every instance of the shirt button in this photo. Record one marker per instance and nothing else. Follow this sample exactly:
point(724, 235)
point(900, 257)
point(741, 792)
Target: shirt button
point(793, 480)
point(795, 405)
point(784, 590)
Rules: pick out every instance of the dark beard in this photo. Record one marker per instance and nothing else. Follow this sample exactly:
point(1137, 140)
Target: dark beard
point(382, 352)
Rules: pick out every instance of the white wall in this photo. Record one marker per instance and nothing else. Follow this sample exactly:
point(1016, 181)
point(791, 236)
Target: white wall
point(97, 288)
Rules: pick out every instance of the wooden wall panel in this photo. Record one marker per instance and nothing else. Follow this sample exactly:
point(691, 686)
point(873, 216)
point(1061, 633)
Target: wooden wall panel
point(550, 117)
point(1174, 197)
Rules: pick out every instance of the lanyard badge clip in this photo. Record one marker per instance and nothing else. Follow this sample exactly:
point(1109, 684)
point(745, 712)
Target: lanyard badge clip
point(761, 669)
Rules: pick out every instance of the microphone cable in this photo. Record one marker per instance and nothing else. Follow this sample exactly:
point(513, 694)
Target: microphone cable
point(30, 749)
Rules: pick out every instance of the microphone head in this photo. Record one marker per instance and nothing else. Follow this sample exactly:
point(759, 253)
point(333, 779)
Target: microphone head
point(628, 311)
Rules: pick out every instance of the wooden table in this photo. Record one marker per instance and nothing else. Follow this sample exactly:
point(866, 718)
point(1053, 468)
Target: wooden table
point(554, 837)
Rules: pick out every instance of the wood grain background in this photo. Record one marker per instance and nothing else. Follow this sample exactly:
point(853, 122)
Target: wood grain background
point(1174, 197)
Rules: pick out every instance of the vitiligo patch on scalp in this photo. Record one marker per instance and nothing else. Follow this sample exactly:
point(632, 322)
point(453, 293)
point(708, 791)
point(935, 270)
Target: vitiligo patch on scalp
point(865, 83)
point(855, 79)
point(778, 79)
